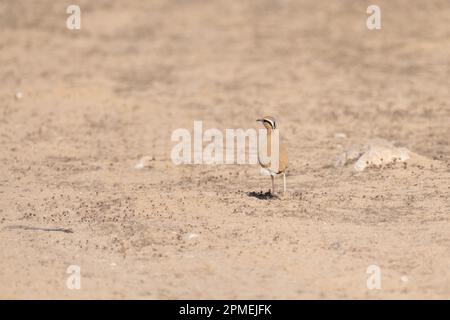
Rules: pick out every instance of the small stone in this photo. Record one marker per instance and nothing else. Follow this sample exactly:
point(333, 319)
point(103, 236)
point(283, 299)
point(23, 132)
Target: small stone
point(144, 162)
point(191, 236)
point(19, 95)
point(340, 135)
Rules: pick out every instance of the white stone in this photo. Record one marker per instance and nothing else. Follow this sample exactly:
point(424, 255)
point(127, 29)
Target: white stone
point(191, 236)
point(376, 152)
point(19, 95)
point(340, 135)
point(379, 153)
point(144, 162)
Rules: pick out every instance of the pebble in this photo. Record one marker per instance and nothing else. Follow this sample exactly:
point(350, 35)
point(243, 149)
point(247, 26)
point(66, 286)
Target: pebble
point(340, 135)
point(191, 236)
point(19, 95)
point(144, 162)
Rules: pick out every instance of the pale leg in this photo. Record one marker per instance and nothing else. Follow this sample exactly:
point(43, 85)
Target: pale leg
point(273, 184)
point(284, 182)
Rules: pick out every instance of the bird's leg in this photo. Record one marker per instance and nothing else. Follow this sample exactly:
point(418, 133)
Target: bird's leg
point(284, 183)
point(273, 184)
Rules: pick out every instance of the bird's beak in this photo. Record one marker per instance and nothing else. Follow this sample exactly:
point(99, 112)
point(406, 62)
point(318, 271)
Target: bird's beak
point(259, 120)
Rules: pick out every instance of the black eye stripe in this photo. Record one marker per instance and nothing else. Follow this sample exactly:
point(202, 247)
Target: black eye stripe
point(272, 123)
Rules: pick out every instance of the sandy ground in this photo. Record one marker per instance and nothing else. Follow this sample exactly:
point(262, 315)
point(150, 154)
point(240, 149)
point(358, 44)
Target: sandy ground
point(97, 99)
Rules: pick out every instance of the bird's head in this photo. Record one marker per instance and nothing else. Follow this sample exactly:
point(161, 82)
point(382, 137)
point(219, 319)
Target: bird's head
point(268, 122)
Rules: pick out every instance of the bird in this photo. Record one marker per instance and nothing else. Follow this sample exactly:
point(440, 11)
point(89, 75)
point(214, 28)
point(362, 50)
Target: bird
point(274, 168)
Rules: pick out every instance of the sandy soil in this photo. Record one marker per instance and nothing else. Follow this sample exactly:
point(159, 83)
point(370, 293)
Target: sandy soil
point(96, 100)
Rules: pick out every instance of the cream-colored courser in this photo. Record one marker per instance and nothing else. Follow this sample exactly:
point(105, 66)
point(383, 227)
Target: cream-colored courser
point(273, 168)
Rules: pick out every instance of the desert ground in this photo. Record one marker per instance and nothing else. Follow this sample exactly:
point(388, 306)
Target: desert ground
point(79, 108)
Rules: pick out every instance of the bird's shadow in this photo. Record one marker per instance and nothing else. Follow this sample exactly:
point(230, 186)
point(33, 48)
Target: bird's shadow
point(262, 195)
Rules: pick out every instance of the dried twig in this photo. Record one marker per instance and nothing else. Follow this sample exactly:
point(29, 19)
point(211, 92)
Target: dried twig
point(39, 228)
